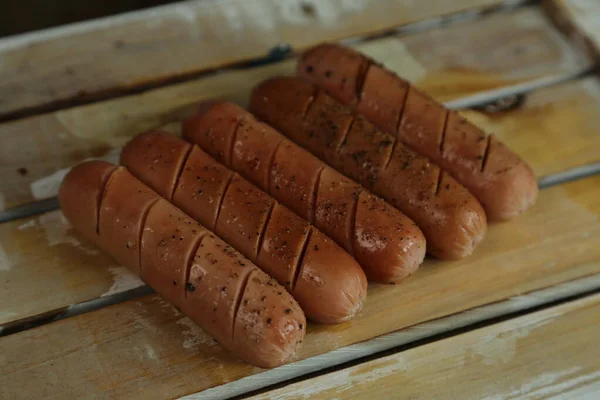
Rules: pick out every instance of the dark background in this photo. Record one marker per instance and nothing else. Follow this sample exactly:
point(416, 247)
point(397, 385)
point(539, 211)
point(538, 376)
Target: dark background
point(19, 16)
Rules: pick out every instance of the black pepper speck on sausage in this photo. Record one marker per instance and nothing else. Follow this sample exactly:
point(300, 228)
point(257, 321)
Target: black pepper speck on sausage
point(452, 221)
point(173, 255)
point(503, 182)
point(262, 229)
point(312, 190)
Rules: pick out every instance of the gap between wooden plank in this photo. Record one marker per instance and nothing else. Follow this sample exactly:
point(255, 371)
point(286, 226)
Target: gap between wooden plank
point(569, 175)
point(376, 347)
point(73, 310)
point(481, 99)
point(99, 302)
point(144, 83)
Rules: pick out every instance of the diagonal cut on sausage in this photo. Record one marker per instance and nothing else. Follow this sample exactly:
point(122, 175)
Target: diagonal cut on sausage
point(385, 242)
point(450, 217)
point(244, 309)
point(327, 283)
point(502, 182)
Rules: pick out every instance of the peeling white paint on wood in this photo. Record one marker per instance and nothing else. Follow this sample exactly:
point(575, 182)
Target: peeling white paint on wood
point(58, 231)
point(500, 347)
point(194, 336)
point(123, 280)
point(5, 262)
point(48, 186)
point(29, 224)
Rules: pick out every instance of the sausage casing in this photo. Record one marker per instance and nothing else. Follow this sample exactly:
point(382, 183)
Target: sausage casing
point(329, 285)
point(224, 293)
point(451, 218)
point(385, 242)
point(503, 183)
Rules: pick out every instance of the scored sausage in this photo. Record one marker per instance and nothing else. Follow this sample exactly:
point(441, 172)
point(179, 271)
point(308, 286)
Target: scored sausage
point(385, 242)
point(503, 183)
point(244, 309)
point(327, 283)
point(450, 217)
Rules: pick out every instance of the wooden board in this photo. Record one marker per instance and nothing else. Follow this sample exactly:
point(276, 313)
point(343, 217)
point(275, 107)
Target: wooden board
point(549, 354)
point(37, 147)
point(144, 348)
point(490, 54)
point(57, 268)
point(191, 37)
point(578, 19)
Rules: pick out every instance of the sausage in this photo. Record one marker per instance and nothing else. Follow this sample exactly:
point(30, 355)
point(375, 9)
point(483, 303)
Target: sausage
point(325, 280)
point(502, 182)
point(387, 244)
point(451, 219)
point(244, 309)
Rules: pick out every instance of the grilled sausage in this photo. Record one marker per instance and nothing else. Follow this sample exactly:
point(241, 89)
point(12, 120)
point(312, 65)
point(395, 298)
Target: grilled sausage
point(503, 183)
point(451, 218)
point(239, 305)
point(386, 243)
point(327, 283)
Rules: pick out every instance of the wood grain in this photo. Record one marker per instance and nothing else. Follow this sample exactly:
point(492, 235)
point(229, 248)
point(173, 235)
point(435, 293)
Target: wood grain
point(145, 349)
point(115, 53)
point(549, 354)
point(498, 51)
point(35, 148)
point(579, 20)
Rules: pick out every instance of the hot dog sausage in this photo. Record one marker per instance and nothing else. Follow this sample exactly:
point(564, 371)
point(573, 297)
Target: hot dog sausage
point(451, 218)
point(385, 242)
point(239, 305)
point(503, 183)
point(328, 284)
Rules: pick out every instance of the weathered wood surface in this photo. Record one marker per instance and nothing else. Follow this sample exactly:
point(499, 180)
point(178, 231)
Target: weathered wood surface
point(407, 337)
point(496, 52)
point(549, 354)
point(47, 266)
point(163, 43)
point(579, 20)
point(144, 349)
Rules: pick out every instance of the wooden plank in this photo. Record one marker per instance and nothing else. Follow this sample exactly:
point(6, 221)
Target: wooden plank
point(37, 147)
point(499, 51)
point(549, 354)
point(162, 43)
point(143, 348)
point(579, 20)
